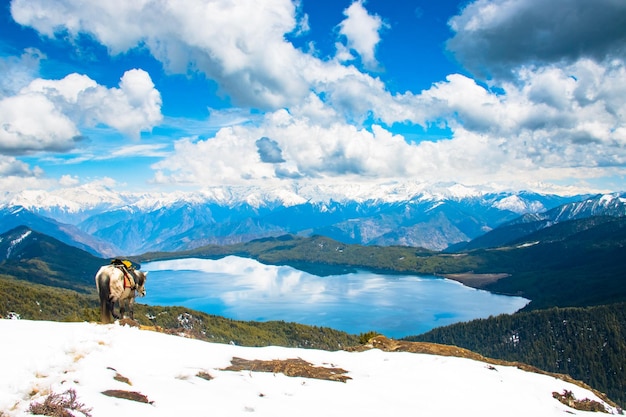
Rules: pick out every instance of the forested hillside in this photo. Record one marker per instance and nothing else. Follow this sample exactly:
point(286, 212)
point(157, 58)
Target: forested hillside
point(589, 344)
point(36, 257)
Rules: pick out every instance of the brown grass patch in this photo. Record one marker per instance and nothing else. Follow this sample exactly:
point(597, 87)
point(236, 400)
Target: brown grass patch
point(129, 322)
point(289, 367)
point(204, 375)
point(127, 395)
point(122, 378)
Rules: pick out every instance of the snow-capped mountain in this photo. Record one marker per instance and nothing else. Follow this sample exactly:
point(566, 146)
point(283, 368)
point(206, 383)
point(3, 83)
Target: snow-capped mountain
point(413, 214)
point(602, 205)
point(98, 197)
point(611, 205)
point(103, 370)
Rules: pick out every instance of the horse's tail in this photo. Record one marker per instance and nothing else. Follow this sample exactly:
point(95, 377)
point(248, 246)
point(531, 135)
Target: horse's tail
point(103, 281)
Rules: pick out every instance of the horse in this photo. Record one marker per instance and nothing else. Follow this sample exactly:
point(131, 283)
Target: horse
point(112, 287)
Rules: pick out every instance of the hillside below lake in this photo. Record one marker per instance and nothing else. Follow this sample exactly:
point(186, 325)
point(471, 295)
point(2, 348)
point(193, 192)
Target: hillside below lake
point(393, 305)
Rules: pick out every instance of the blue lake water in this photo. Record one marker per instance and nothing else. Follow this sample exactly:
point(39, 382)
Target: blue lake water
point(393, 305)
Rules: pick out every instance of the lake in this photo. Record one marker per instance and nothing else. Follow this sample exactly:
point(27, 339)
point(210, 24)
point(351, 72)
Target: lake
point(393, 305)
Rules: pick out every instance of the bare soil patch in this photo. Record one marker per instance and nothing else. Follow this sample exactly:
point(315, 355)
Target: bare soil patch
point(289, 367)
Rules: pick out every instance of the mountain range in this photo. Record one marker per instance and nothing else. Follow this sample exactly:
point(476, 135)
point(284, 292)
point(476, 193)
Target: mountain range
point(514, 231)
point(107, 223)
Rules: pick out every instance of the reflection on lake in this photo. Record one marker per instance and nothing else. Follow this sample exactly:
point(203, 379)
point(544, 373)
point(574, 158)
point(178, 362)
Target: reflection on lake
point(394, 305)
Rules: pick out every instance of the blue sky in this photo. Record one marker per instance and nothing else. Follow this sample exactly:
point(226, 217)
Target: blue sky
point(166, 95)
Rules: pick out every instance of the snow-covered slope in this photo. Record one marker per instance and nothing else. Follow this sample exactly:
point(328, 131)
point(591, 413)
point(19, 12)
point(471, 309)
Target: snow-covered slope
point(185, 377)
point(605, 205)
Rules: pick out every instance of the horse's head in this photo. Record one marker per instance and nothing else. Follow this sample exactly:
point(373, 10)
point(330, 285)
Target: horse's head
point(141, 282)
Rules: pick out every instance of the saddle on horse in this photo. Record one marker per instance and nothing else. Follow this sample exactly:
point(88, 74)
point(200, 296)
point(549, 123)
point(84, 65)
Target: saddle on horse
point(128, 269)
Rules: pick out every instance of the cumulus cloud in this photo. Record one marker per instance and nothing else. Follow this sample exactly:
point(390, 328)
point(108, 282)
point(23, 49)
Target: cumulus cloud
point(31, 122)
point(336, 153)
point(133, 107)
point(68, 181)
point(562, 103)
point(558, 122)
point(269, 150)
point(241, 44)
point(16, 175)
point(494, 37)
point(12, 167)
point(362, 33)
point(308, 151)
point(46, 115)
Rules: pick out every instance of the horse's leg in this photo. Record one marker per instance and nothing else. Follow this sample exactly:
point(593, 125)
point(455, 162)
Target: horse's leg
point(122, 309)
point(111, 304)
point(104, 291)
point(105, 317)
point(131, 306)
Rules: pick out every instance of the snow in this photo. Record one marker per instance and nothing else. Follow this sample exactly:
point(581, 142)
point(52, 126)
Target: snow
point(40, 358)
point(100, 197)
point(519, 205)
point(16, 242)
point(94, 196)
point(525, 245)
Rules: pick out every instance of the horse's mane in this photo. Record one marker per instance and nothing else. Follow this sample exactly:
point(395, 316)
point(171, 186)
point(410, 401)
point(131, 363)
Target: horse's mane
point(140, 277)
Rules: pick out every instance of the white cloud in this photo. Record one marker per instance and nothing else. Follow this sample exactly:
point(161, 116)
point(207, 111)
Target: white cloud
point(558, 123)
point(133, 107)
point(145, 150)
point(16, 175)
point(12, 167)
point(46, 114)
point(362, 33)
point(241, 44)
point(66, 90)
point(69, 181)
point(31, 122)
point(307, 150)
point(18, 72)
point(343, 53)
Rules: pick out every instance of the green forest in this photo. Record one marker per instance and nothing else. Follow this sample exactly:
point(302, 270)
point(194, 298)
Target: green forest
point(589, 344)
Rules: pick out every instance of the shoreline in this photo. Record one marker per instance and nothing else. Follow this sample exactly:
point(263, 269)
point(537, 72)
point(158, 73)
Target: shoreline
point(479, 281)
